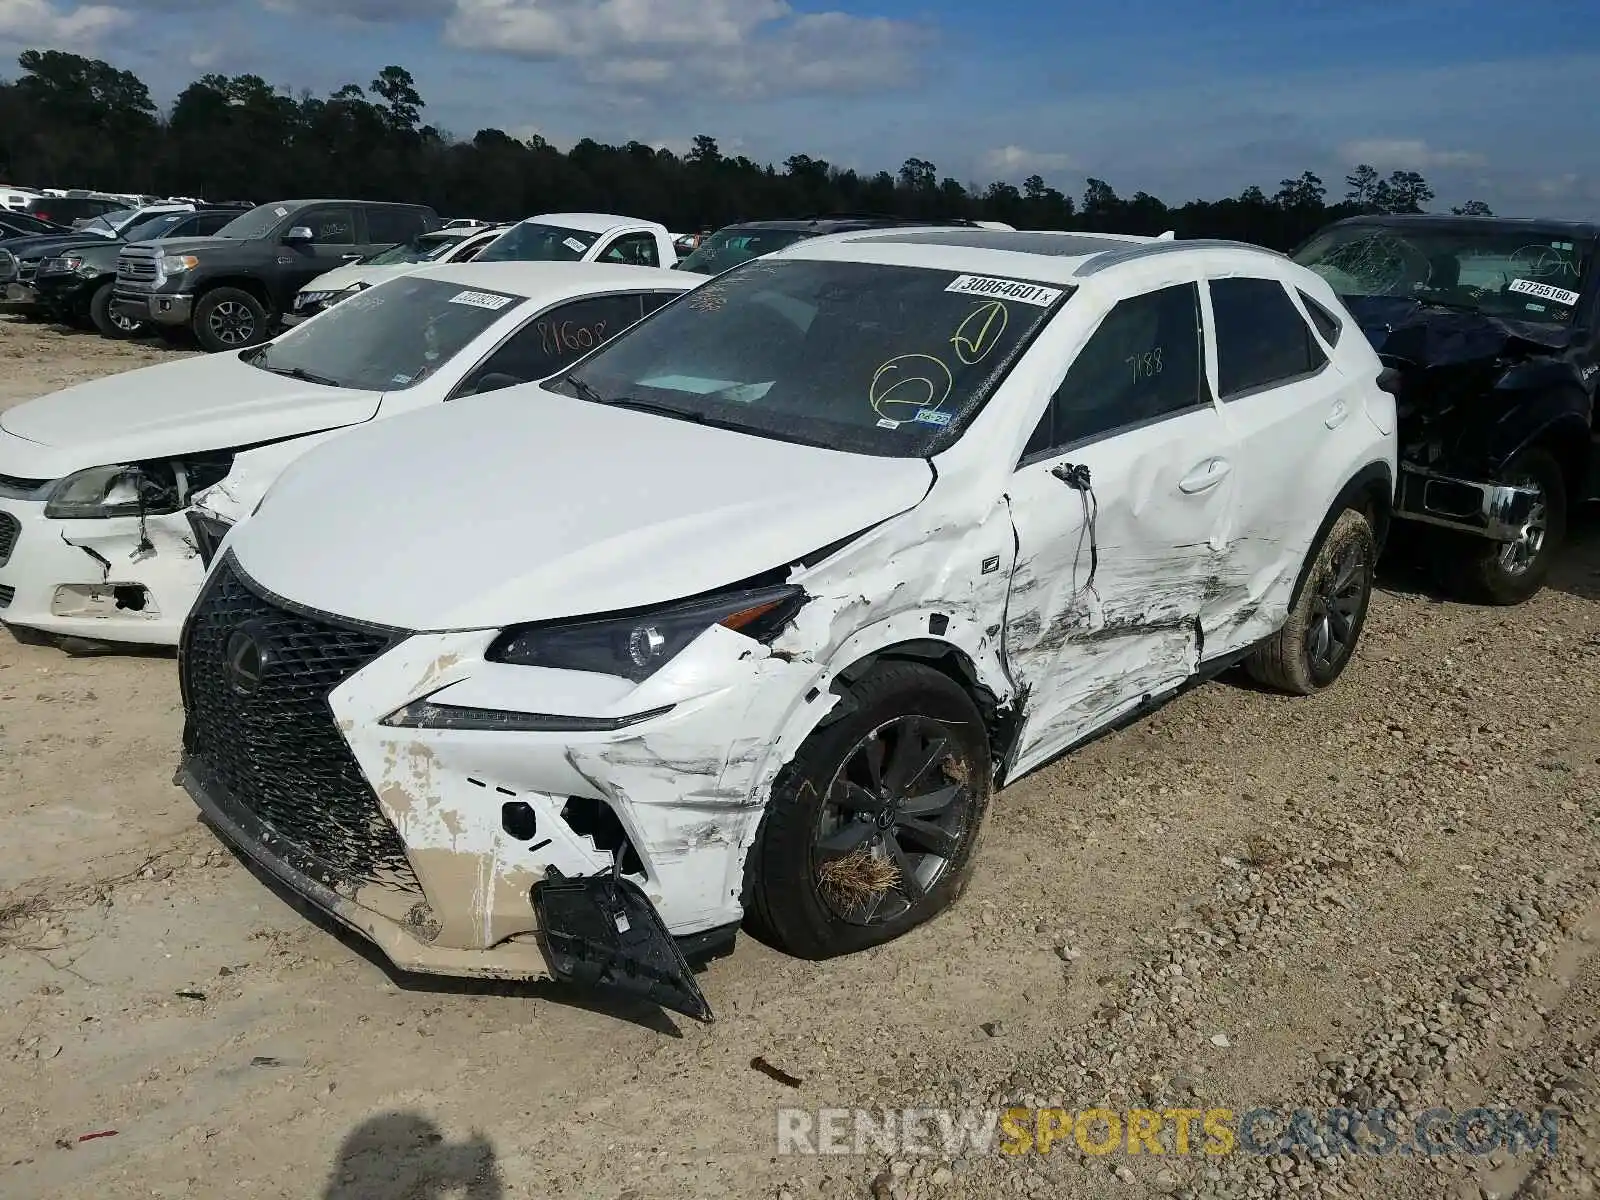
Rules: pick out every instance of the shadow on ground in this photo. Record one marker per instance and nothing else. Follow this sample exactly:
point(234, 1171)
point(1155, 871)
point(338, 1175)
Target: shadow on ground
point(404, 1156)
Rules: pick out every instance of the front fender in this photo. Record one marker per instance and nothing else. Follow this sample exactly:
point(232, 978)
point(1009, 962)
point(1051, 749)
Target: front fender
point(1561, 414)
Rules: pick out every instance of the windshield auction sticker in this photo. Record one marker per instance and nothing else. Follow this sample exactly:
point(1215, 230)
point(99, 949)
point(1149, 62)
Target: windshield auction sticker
point(489, 300)
point(1005, 289)
point(1544, 291)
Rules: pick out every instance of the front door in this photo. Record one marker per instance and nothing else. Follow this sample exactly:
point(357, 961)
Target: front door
point(1123, 507)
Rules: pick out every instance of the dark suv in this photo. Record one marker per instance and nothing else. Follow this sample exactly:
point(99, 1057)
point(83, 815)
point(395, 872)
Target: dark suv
point(1492, 325)
point(231, 290)
point(734, 244)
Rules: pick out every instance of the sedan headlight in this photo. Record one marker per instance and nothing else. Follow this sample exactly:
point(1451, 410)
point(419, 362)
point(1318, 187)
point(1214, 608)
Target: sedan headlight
point(347, 293)
point(637, 647)
point(133, 489)
point(177, 264)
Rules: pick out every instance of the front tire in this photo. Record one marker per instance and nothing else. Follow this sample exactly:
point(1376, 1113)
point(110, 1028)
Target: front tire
point(1318, 640)
point(229, 319)
point(1507, 573)
point(872, 826)
point(111, 324)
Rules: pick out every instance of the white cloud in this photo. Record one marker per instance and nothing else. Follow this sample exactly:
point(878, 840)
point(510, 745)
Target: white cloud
point(1010, 162)
point(39, 21)
point(1406, 153)
point(746, 48)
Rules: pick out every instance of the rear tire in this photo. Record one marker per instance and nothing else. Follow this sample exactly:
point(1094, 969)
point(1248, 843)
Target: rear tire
point(1507, 573)
point(911, 857)
point(110, 324)
point(229, 319)
point(1318, 640)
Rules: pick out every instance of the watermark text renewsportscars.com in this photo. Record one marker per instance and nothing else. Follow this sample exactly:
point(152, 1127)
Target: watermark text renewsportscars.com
point(1380, 1132)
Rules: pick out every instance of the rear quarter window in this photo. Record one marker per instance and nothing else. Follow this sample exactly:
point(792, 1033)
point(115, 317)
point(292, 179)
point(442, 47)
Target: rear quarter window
point(1262, 340)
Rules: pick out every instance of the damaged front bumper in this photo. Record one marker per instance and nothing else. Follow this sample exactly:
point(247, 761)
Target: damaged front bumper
point(599, 930)
point(89, 579)
point(1495, 511)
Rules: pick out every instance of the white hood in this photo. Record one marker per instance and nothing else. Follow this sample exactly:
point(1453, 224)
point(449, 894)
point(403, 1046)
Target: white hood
point(340, 278)
point(209, 402)
point(525, 505)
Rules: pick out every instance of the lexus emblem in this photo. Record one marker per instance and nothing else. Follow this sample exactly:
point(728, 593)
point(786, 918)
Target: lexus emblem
point(245, 660)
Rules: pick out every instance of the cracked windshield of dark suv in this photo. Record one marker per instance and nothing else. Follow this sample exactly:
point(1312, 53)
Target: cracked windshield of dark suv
point(1521, 276)
point(386, 338)
point(884, 360)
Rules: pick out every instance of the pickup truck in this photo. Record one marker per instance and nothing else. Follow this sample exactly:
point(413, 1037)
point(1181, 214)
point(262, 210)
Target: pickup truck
point(232, 290)
point(1492, 329)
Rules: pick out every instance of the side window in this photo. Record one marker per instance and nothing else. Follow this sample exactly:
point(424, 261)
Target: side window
point(1261, 337)
point(655, 300)
point(556, 339)
point(209, 223)
point(329, 226)
point(635, 249)
point(1328, 325)
point(388, 226)
point(1142, 363)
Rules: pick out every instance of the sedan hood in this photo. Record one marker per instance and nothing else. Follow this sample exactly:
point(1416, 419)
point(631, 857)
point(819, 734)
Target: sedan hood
point(46, 244)
point(208, 402)
point(525, 505)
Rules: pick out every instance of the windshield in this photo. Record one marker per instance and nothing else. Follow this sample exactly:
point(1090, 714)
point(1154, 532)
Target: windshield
point(890, 361)
point(388, 337)
point(730, 247)
point(532, 242)
point(1522, 276)
point(152, 228)
point(257, 223)
point(108, 222)
point(418, 250)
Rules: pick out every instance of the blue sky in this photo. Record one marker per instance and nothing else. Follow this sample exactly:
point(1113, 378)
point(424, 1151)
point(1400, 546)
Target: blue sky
point(1489, 100)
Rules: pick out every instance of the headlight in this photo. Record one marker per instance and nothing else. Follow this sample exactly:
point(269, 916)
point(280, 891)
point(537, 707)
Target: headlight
point(347, 292)
point(637, 647)
point(177, 264)
point(129, 489)
point(60, 266)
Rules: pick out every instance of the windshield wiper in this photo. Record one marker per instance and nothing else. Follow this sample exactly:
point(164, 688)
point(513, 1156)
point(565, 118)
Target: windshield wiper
point(584, 389)
point(303, 375)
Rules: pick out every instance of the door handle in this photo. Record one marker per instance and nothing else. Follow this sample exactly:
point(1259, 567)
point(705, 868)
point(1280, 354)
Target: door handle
point(1206, 476)
point(350, 257)
point(1337, 415)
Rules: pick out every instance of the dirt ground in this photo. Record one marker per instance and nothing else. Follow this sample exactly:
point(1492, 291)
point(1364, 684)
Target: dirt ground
point(1387, 895)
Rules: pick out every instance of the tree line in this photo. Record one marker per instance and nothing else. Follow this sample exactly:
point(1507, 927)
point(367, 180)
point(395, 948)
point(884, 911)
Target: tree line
point(70, 121)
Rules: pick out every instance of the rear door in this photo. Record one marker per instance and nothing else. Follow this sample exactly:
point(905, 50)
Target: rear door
point(1293, 414)
point(551, 341)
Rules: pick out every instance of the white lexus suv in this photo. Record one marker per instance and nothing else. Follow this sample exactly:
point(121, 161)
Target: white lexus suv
point(744, 616)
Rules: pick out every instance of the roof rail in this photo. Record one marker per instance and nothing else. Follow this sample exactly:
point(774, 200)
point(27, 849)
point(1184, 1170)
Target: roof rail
point(1159, 246)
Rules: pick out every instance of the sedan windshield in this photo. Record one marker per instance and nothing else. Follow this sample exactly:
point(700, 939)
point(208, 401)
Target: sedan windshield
point(730, 247)
point(386, 338)
point(425, 248)
point(532, 242)
point(152, 228)
point(1523, 276)
point(108, 223)
point(890, 361)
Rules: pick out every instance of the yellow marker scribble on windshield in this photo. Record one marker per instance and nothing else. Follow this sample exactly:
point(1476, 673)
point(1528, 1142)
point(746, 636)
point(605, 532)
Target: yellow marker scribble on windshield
point(980, 331)
point(901, 371)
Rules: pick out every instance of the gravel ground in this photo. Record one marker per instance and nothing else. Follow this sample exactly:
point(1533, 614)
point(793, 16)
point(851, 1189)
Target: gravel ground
point(1384, 896)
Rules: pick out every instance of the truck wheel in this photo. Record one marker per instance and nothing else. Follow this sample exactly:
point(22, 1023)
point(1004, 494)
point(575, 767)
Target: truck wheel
point(1511, 572)
point(1318, 640)
point(229, 319)
point(111, 324)
point(871, 827)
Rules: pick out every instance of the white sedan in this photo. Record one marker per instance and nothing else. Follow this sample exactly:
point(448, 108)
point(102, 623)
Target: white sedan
point(746, 614)
point(114, 493)
point(426, 249)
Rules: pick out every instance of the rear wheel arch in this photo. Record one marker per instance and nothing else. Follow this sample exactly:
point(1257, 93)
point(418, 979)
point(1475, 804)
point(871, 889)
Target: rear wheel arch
point(1370, 491)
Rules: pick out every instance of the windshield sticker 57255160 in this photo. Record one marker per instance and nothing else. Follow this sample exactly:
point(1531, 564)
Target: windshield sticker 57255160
point(1005, 289)
point(1544, 291)
point(489, 300)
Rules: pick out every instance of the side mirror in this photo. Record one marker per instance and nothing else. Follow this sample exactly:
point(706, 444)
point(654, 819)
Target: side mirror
point(494, 382)
point(300, 233)
point(1389, 380)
